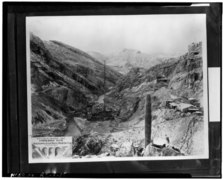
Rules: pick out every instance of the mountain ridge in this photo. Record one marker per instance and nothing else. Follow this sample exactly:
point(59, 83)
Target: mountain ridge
point(68, 78)
point(126, 59)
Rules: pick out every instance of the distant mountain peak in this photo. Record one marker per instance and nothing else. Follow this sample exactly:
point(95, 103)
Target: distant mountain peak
point(131, 50)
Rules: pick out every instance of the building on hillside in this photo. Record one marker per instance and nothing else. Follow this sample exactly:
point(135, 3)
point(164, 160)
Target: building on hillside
point(192, 109)
point(161, 78)
point(183, 107)
point(195, 48)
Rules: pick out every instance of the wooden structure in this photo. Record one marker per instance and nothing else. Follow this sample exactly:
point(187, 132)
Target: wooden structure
point(148, 120)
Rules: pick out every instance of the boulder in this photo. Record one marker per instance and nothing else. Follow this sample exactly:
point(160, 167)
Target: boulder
point(103, 112)
point(97, 107)
point(138, 149)
point(169, 151)
point(87, 144)
point(151, 150)
point(114, 147)
point(75, 156)
point(104, 154)
point(128, 107)
point(125, 150)
point(159, 141)
point(80, 122)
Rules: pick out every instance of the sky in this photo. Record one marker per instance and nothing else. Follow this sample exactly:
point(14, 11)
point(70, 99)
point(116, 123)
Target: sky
point(151, 34)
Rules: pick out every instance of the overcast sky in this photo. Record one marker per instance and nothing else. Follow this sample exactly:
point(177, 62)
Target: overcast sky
point(164, 34)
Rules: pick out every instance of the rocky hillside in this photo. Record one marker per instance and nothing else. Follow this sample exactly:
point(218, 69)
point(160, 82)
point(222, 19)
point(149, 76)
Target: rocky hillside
point(177, 110)
point(65, 81)
point(74, 94)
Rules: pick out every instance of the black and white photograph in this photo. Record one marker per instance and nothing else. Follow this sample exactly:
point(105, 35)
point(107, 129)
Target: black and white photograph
point(117, 87)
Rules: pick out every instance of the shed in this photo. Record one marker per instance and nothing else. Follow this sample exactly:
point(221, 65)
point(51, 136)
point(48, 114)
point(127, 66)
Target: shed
point(183, 107)
point(199, 113)
point(192, 109)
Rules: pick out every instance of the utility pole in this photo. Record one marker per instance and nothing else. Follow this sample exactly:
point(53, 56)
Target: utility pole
point(148, 120)
point(104, 77)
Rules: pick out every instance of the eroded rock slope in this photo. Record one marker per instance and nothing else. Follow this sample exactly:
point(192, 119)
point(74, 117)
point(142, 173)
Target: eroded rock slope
point(65, 83)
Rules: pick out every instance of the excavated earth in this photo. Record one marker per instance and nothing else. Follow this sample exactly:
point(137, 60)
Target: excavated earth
point(125, 135)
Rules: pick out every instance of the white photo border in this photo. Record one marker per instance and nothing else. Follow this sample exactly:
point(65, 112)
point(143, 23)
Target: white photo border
point(73, 160)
